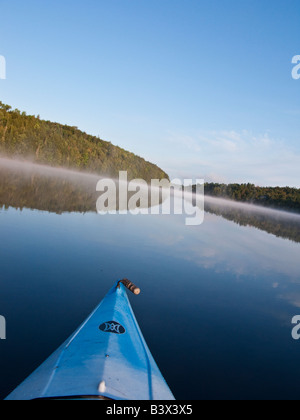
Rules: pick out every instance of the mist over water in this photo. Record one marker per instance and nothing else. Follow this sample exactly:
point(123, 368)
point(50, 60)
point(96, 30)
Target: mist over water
point(252, 208)
point(26, 184)
point(26, 168)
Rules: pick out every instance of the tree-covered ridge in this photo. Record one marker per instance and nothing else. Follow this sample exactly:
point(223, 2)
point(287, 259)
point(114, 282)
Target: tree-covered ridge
point(60, 145)
point(276, 197)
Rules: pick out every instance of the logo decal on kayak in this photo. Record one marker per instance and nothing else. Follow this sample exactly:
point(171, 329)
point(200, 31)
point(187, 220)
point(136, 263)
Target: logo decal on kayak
point(112, 327)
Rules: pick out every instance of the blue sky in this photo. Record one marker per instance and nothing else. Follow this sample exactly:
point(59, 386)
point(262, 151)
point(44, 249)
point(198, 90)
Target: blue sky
point(202, 88)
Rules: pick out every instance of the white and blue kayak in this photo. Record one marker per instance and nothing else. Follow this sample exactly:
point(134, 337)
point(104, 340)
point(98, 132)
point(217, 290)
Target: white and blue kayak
point(106, 358)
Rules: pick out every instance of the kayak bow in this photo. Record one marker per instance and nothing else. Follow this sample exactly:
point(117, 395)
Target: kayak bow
point(106, 358)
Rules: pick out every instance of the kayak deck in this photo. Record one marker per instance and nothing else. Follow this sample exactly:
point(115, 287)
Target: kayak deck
point(107, 357)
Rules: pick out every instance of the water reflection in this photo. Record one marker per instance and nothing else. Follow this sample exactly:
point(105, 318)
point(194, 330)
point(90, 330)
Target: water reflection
point(279, 223)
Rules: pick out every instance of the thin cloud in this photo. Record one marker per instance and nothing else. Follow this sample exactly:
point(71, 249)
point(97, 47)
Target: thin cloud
point(235, 156)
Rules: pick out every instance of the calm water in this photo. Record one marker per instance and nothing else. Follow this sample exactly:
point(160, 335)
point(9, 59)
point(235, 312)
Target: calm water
point(216, 305)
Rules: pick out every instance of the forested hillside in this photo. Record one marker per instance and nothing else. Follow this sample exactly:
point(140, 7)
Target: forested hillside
point(60, 145)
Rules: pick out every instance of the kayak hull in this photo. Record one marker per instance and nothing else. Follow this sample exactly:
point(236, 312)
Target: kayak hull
point(106, 357)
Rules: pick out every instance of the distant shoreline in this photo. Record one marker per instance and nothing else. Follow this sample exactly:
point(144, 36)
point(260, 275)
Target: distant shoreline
point(277, 198)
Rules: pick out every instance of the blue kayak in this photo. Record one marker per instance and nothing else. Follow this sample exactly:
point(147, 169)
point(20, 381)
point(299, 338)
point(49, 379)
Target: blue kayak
point(106, 358)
